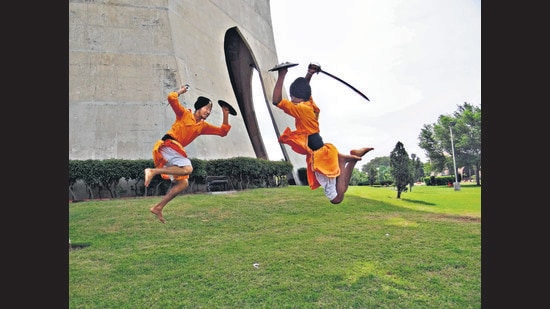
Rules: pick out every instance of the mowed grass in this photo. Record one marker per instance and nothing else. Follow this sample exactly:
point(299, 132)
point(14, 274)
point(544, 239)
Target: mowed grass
point(371, 251)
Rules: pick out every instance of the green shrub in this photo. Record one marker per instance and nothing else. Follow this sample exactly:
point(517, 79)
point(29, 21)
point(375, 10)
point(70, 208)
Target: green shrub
point(100, 176)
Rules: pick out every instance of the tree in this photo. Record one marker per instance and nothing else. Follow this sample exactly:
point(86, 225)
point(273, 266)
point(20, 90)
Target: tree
point(417, 170)
point(358, 178)
point(467, 129)
point(378, 170)
point(400, 165)
point(384, 174)
point(376, 162)
point(373, 175)
point(435, 139)
point(427, 168)
point(432, 146)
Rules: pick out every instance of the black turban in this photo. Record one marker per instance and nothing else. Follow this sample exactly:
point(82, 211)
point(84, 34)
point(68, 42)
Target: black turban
point(201, 101)
point(300, 88)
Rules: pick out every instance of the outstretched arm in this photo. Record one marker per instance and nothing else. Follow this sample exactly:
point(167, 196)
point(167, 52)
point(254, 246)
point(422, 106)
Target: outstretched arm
point(278, 90)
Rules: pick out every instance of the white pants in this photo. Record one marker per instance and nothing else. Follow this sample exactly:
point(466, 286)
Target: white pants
point(174, 158)
point(329, 184)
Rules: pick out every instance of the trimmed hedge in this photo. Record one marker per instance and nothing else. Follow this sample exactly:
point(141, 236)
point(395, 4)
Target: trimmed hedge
point(242, 172)
point(440, 180)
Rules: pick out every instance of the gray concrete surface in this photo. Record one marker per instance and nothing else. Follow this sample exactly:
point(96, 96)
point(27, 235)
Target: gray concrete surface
point(125, 56)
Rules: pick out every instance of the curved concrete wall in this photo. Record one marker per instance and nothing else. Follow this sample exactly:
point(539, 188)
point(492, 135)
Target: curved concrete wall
point(125, 56)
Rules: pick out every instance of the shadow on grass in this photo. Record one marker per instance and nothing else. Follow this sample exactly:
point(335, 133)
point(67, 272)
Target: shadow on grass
point(417, 202)
point(73, 247)
point(376, 203)
point(469, 186)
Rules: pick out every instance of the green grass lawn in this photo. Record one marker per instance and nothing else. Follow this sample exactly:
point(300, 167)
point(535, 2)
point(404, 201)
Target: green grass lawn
point(371, 251)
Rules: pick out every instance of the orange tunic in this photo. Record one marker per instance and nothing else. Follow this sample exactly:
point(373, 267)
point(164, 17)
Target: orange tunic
point(184, 130)
point(323, 160)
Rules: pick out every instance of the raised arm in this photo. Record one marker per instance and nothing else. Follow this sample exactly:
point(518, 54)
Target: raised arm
point(312, 69)
point(278, 90)
point(174, 101)
point(225, 111)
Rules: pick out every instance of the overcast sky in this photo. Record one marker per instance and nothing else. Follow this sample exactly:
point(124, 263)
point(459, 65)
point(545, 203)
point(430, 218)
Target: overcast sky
point(414, 60)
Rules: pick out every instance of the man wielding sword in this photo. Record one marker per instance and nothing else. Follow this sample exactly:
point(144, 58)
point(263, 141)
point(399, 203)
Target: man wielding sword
point(326, 167)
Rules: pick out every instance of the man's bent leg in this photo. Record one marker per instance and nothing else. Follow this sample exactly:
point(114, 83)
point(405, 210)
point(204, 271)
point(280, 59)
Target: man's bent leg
point(169, 170)
point(342, 182)
point(148, 176)
point(177, 187)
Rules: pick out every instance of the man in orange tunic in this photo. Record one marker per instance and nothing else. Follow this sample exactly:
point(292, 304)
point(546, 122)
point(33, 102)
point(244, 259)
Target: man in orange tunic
point(169, 155)
point(326, 167)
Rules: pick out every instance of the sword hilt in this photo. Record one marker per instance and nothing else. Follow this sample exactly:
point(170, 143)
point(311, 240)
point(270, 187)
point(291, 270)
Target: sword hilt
point(314, 66)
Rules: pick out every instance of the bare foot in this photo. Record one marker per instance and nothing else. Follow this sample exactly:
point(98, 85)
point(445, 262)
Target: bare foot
point(360, 152)
point(158, 213)
point(148, 176)
point(349, 158)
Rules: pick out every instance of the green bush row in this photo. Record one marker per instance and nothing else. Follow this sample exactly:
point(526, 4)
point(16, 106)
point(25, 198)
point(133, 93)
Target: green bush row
point(242, 173)
point(440, 180)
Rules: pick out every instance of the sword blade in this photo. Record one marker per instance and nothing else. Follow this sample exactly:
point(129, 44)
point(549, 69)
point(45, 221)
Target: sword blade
point(343, 82)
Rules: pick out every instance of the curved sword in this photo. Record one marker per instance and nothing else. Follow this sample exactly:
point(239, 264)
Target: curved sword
point(340, 80)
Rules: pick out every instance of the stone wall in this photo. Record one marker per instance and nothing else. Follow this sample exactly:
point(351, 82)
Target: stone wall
point(125, 56)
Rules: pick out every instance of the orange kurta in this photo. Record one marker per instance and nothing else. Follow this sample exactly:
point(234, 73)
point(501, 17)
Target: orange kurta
point(323, 160)
point(184, 130)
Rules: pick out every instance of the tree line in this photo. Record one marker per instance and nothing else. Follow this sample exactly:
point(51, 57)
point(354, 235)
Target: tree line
point(458, 134)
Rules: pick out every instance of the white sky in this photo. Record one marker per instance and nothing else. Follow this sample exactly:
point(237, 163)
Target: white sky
point(414, 60)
